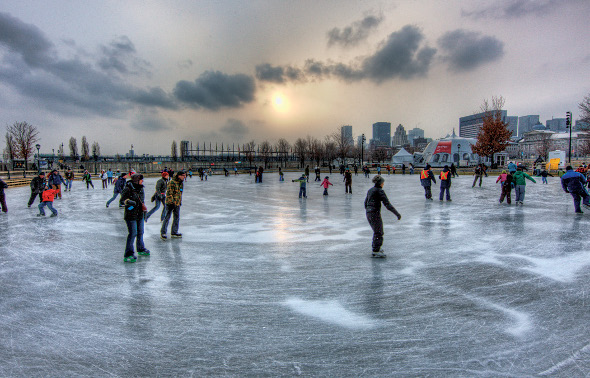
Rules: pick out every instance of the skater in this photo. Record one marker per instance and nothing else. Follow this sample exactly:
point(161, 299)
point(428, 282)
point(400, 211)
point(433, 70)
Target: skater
point(445, 183)
point(573, 182)
point(132, 198)
point(173, 203)
point(69, 179)
point(236, 171)
point(54, 180)
point(37, 187)
point(403, 169)
point(511, 168)
point(260, 171)
point(412, 168)
point(505, 179)
point(225, 172)
point(379, 170)
point(119, 186)
point(375, 196)
point(159, 197)
point(453, 170)
point(356, 170)
point(302, 185)
point(281, 175)
point(47, 196)
point(478, 173)
point(3, 186)
point(88, 178)
point(109, 177)
point(326, 183)
point(520, 178)
point(307, 173)
point(544, 175)
point(103, 178)
point(190, 174)
point(426, 180)
point(348, 181)
point(317, 174)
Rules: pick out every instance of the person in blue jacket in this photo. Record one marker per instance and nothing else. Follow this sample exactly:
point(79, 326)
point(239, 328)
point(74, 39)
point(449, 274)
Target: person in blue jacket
point(119, 186)
point(573, 183)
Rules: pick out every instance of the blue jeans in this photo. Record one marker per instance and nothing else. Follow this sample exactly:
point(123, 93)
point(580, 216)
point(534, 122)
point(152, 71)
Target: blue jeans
point(49, 206)
point(302, 192)
point(171, 209)
point(544, 180)
point(519, 192)
point(115, 194)
point(69, 184)
point(158, 201)
point(135, 228)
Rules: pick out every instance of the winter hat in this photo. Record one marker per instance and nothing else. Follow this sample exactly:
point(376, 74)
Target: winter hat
point(327, 177)
point(568, 168)
point(503, 171)
point(136, 178)
point(165, 174)
point(427, 166)
point(378, 180)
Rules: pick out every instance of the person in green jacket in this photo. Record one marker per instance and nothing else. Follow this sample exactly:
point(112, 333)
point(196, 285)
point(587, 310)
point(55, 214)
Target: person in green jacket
point(519, 179)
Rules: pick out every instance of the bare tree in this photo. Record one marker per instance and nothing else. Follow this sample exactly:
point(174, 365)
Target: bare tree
point(174, 151)
point(282, 148)
point(329, 149)
point(544, 146)
point(10, 146)
point(73, 149)
point(250, 151)
point(379, 154)
point(300, 149)
point(85, 150)
point(343, 145)
point(584, 107)
point(95, 151)
point(265, 150)
point(24, 136)
point(316, 149)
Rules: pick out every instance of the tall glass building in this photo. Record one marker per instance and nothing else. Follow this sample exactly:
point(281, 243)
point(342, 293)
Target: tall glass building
point(469, 126)
point(382, 133)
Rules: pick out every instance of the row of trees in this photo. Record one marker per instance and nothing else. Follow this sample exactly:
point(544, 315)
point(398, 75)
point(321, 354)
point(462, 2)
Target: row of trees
point(85, 151)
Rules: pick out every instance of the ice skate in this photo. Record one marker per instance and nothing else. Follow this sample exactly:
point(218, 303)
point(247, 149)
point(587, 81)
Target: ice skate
point(129, 259)
point(53, 215)
point(378, 254)
point(176, 235)
point(145, 252)
point(163, 237)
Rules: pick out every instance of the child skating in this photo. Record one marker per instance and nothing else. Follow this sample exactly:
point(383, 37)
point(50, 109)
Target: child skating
point(302, 185)
point(326, 183)
point(47, 197)
point(376, 196)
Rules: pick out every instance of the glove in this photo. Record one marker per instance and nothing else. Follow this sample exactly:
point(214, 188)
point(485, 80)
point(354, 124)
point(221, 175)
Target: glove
point(399, 217)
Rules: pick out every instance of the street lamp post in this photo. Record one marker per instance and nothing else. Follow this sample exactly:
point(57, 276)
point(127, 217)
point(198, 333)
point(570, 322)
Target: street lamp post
point(568, 123)
point(362, 148)
point(459, 152)
point(38, 146)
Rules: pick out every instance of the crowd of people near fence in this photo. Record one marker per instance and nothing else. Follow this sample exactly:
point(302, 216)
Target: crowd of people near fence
point(128, 187)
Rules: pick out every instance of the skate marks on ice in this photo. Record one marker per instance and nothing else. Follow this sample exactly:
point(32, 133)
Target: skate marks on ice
point(331, 312)
point(581, 355)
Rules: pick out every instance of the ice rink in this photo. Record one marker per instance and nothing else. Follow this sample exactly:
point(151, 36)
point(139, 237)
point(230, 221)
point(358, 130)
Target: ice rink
point(266, 284)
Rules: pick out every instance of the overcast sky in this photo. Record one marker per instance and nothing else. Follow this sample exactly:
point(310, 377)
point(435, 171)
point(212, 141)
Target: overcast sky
point(149, 72)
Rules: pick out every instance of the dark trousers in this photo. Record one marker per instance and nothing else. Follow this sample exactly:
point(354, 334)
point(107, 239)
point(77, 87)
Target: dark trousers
point(302, 192)
point(442, 192)
point(3, 202)
point(348, 188)
point(376, 224)
point(475, 180)
point(33, 196)
point(325, 191)
point(427, 192)
point(49, 205)
point(158, 201)
point(170, 210)
point(135, 228)
point(580, 195)
point(506, 190)
point(89, 184)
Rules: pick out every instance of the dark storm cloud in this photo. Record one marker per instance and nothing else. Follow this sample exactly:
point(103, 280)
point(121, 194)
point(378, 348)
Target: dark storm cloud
point(518, 8)
point(465, 50)
point(400, 56)
point(149, 121)
point(278, 74)
point(354, 34)
point(235, 128)
point(30, 64)
point(214, 90)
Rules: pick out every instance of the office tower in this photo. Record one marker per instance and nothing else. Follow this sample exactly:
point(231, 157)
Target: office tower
point(413, 134)
point(526, 123)
point(399, 137)
point(382, 133)
point(469, 126)
point(346, 133)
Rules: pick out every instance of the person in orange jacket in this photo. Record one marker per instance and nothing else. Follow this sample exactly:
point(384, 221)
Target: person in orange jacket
point(47, 198)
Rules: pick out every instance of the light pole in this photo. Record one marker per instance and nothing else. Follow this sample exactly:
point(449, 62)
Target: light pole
point(38, 146)
point(568, 123)
point(459, 152)
point(362, 148)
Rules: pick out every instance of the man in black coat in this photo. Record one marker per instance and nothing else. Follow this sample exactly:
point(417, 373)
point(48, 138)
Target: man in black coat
point(376, 196)
point(37, 185)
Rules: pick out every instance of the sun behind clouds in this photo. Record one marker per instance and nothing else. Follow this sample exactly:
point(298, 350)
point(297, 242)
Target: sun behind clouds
point(280, 103)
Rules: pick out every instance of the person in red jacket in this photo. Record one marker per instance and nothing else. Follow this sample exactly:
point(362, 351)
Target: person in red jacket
point(326, 183)
point(47, 200)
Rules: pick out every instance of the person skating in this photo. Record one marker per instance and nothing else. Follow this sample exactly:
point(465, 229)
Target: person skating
point(54, 180)
point(544, 175)
point(261, 172)
point(173, 203)
point(574, 183)
point(109, 177)
point(426, 180)
point(69, 174)
point(326, 183)
point(478, 173)
point(453, 170)
point(520, 178)
point(159, 197)
point(37, 187)
point(281, 175)
point(133, 198)
point(302, 185)
point(307, 172)
point(348, 181)
point(118, 188)
point(87, 177)
point(317, 174)
point(375, 196)
point(47, 197)
point(103, 178)
point(445, 183)
point(506, 180)
point(3, 186)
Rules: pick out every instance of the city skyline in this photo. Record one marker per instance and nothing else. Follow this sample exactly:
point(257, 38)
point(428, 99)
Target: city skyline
point(147, 73)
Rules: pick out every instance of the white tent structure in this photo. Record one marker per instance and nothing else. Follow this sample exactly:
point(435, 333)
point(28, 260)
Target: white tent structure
point(402, 157)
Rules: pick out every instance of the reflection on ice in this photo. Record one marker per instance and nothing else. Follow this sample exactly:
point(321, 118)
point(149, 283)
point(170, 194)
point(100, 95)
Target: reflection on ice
point(331, 312)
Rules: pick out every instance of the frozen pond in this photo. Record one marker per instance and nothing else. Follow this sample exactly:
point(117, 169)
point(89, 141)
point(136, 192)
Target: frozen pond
point(265, 284)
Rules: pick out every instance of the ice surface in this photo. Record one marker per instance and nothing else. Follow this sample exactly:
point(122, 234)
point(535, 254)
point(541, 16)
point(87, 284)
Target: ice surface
point(266, 284)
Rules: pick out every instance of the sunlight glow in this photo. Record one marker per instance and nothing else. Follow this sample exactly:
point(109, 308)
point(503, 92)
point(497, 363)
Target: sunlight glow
point(280, 103)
